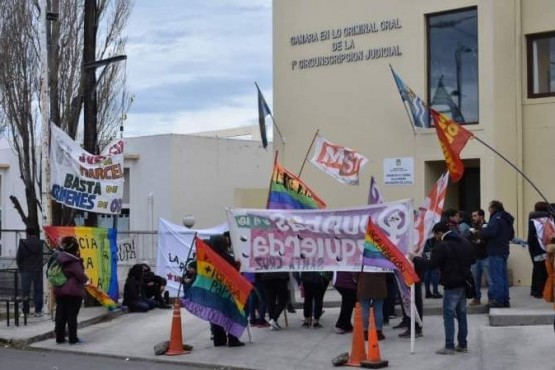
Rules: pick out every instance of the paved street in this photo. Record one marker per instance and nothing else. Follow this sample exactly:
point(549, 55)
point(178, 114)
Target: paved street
point(490, 347)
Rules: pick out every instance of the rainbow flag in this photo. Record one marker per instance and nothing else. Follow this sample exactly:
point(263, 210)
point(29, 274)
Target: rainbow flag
point(287, 191)
point(219, 293)
point(102, 298)
point(379, 251)
point(99, 251)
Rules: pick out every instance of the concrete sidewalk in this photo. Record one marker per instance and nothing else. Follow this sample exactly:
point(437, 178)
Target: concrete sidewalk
point(134, 335)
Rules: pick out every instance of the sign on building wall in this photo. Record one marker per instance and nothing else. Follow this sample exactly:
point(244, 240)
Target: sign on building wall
point(398, 171)
point(84, 181)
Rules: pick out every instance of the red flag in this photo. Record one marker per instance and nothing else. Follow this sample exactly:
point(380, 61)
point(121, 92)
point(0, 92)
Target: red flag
point(452, 138)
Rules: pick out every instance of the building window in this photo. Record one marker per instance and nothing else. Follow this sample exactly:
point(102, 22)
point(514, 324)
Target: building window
point(541, 64)
point(453, 64)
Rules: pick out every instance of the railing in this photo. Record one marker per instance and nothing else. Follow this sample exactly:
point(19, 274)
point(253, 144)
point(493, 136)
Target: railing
point(10, 293)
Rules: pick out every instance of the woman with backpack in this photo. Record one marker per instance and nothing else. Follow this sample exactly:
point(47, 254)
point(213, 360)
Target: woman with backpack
point(69, 296)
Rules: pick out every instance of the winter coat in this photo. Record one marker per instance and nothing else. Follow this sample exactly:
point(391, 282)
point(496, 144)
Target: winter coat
point(534, 247)
point(478, 242)
point(133, 289)
point(346, 280)
point(498, 233)
point(372, 285)
point(75, 272)
point(453, 256)
point(29, 254)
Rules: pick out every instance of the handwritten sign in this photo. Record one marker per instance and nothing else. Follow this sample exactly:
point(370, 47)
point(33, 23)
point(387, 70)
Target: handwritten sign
point(84, 181)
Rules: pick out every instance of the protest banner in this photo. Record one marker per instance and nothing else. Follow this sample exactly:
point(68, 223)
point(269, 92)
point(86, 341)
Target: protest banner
point(174, 247)
point(314, 240)
point(99, 251)
point(85, 181)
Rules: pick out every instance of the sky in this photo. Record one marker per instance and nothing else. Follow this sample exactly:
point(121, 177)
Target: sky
point(192, 64)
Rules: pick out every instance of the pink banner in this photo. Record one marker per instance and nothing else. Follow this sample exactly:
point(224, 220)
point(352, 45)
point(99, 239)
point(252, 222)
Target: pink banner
point(314, 240)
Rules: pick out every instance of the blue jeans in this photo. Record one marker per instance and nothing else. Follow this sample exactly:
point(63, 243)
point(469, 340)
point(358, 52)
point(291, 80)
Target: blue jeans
point(478, 269)
point(499, 288)
point(29, 277)
point(431, 277)
point(378, 312)
point(454, 306)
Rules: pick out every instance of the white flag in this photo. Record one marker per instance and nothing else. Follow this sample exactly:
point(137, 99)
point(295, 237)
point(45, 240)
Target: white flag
point(342, 163)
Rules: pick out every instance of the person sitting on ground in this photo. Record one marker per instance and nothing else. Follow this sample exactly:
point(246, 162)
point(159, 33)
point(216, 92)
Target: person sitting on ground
point(154, 287)
point(133, 294)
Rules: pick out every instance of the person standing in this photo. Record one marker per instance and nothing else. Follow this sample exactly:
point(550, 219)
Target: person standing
point(453, 256)
point(29, 262)
point(497, 234)
point(537, 221)
point(372, 290)
point(345, 284)
point(220, 245)
point(314, 285)
point(70, 295)
point(482, 262)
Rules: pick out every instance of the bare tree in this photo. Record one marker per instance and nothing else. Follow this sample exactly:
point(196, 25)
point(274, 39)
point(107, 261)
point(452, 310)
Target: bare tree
point(19, 67)
point(19, 82)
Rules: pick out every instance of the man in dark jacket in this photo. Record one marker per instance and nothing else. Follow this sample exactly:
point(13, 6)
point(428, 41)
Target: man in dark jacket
point(497, 234)
point(29, 262)
point(481, 267)
point(453, 256)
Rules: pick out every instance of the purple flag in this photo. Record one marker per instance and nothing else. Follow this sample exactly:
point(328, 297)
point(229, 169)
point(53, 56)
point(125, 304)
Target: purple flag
point(374, 196)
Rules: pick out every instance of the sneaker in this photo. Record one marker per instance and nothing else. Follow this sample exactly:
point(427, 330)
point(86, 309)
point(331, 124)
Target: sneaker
point(437, 295)
point(402, 325)
point(317, 325)
point(340, 331)
point(306, 324)
point(429, 295)
point(274, 325)
point(474, 302)
point(78, 341)
point(461, 349)
point(291, 309)
point(236, 343)
point(380, 335)
point(38, 314)
point(445, 351)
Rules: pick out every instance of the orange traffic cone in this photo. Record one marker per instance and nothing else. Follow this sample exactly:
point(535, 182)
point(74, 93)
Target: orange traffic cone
point(358, 353)
point(374, 359)
point(176, 337)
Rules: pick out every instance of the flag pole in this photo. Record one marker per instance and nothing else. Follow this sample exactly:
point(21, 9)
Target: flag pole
point(271, 179)
point(515, 168)
point(278, 131)
point(186, 263)
point(411, 119)
point(308, 152)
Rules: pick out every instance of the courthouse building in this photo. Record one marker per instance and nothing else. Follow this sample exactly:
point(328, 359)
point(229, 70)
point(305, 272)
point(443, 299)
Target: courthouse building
point(488, 64)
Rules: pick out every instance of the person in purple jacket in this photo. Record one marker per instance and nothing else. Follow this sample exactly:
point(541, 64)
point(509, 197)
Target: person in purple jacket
point(70, 295)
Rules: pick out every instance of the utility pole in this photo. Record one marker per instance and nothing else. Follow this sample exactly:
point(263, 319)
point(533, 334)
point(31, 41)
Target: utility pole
point(90, 104)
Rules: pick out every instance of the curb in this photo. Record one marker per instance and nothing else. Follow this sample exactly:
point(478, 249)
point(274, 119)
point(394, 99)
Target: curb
point(23, 343)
